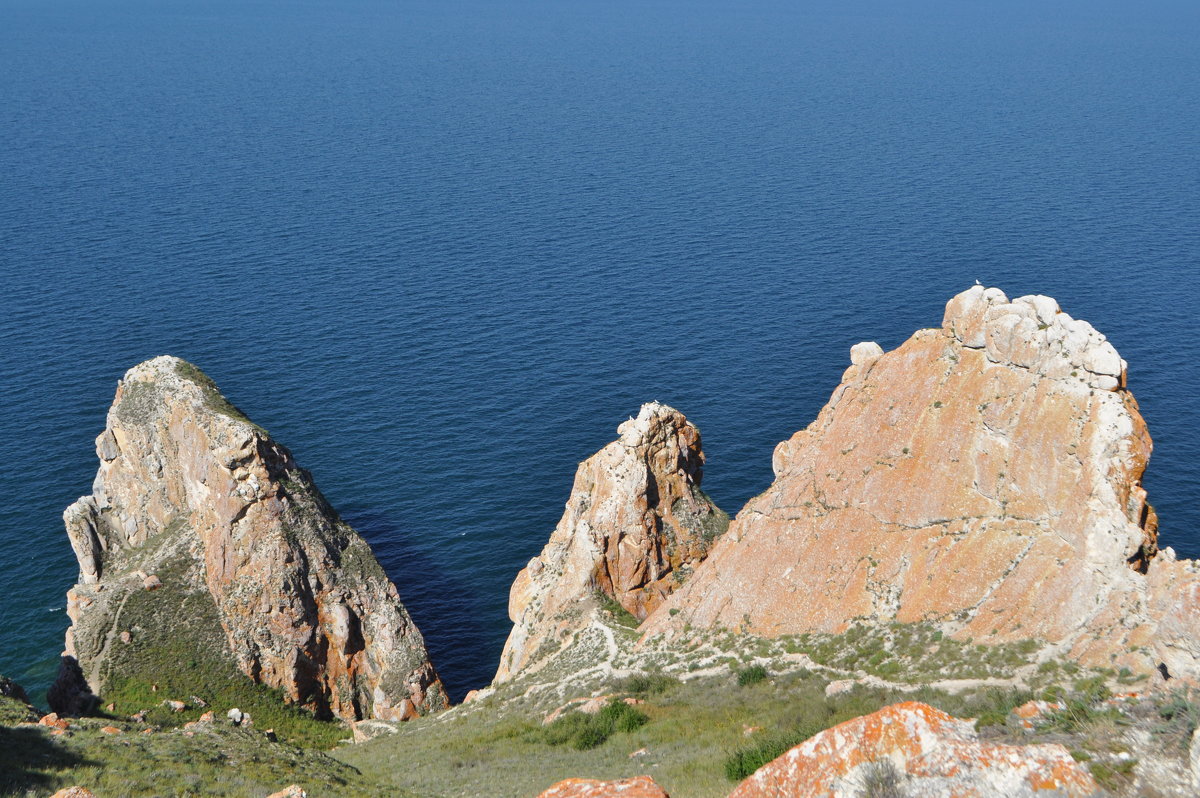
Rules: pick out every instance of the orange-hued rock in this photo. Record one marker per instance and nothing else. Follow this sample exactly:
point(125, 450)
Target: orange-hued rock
point(74, 792)
point(926, 752)
point(202, 534)
point(637, 787)
point(635, 526)
point(984, 476)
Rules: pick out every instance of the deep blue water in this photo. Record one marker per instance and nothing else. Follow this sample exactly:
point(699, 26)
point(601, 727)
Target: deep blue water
point(442, 249)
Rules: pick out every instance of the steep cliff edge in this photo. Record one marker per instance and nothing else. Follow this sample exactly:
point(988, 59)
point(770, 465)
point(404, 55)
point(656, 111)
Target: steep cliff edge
point(985, 477)
point(634, 528)
point(205, 548)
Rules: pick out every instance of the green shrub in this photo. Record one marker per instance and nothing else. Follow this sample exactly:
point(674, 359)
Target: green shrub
point(646, 684)
point(585, 732)
point(751, 675)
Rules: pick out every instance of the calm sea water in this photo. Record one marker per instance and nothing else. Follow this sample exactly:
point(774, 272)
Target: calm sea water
point(441, 249)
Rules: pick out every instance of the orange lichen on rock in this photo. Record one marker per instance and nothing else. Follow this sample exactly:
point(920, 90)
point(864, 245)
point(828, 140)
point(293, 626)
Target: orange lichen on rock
point(636, 787)
point(928, 752)
point(985, 477)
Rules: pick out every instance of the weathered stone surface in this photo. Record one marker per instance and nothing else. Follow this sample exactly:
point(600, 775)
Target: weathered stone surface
point(370, 729)
point(211, 521)
point(865, 353)
point(292, 791)
point(1194, 759)
point(926, 752)
point(635, 526)
point(74, 792)
point(637, 787)
point(986, 477)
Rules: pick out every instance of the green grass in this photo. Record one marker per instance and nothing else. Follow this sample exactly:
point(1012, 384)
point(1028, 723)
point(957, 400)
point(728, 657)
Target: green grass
point(214, 761)
point(620, 615)
point(213, 398)
point(911, 653)
point(178, 650)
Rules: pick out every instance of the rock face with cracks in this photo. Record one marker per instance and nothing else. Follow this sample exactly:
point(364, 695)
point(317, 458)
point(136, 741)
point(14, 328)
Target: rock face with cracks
point(634, 528)
point(984, 476)
point(916, 750)
point(202, 533)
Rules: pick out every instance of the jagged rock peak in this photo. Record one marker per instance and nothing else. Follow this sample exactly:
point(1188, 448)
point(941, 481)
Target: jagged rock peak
point(635, 526)
point(985, 477)
point(203, 541)
point(1031, 332)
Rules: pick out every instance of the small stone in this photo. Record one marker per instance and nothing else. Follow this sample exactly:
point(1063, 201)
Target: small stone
point(370, 729)
point(110, 708)
point(126, 637)
point(151, 582)
point(74, 792)
point(291, 791)
point(199, 702)
point(175, 706)
point(207, 717)
point(53, 721)
point(110, 730)
point(639, 752)
point(865, 353)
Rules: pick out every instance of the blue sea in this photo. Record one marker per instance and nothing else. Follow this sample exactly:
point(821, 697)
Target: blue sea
point(441, 249)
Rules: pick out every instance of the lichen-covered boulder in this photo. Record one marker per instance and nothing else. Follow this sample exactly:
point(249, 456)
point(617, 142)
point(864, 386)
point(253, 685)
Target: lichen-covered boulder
point(916, 750)
point(636, 787)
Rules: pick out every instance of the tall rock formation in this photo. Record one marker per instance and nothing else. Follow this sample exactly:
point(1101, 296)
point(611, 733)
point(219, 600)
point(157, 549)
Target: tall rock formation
point(634, 528)
point(985, 476)
point(205, 550)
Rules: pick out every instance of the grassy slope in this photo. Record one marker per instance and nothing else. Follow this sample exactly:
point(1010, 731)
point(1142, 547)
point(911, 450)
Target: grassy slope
point(212, 760)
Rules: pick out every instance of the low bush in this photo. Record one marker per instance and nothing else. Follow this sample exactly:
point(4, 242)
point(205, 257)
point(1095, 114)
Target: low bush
point(585, 732)
point(751, 675)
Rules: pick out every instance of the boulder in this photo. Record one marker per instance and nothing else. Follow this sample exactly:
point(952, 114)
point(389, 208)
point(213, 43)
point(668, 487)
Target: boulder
point(917, 750)
point(635, 526)
point(636, 787)
point(211, 546)
point(984, 477)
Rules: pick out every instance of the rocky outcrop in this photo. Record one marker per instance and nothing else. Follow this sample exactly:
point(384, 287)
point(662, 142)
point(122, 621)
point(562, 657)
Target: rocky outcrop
point(914, 749)
point(636, 787)
point(14, 704)
point(984, 476)
point(634, 528)
point(204, 548)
